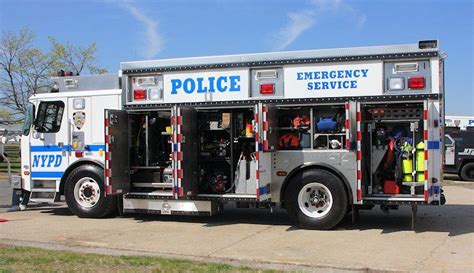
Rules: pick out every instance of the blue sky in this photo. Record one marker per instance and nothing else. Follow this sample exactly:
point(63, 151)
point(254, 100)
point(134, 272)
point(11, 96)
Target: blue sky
point(137, 30)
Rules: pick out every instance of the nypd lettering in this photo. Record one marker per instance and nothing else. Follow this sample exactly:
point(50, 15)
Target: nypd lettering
point(46, 161)
point(334, 80)
point(223, 85)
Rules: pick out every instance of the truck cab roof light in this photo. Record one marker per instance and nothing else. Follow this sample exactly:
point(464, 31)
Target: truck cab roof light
point(139, 94)
point(267, 88)
point(416, 83)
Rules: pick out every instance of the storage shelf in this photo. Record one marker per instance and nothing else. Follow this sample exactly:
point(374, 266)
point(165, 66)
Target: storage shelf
point(148, 167)
point(416, 184)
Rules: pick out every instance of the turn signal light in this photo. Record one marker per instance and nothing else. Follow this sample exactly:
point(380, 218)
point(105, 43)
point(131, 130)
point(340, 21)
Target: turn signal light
point(267, 88)
point(139, 94)
point(416, 83)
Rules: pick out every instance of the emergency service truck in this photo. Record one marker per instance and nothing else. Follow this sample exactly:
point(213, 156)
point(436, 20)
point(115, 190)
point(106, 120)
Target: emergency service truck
point(318, 132)
point(459, 152)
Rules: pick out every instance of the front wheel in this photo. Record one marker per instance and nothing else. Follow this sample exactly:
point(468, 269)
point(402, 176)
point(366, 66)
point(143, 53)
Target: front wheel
point(84, 192)
point(467, 172)
point(316, 199)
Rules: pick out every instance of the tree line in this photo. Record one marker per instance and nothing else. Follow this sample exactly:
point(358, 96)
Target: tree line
point(25, 69)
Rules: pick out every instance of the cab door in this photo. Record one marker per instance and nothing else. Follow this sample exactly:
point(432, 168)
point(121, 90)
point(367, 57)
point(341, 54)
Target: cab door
point(267, 138)
point(184, 151)
point(117, 152)
point(50, 140)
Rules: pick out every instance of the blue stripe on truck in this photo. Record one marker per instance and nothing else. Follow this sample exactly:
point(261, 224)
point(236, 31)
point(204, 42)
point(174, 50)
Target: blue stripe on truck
point(433, 145)
point(55, 148)
point(46, 174)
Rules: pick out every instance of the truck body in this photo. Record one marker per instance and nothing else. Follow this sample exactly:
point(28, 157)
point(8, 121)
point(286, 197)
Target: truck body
point(319, 132)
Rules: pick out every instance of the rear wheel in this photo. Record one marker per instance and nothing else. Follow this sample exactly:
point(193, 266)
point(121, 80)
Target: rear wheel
point(84, 191)
point(316, 199)
point(467, 172)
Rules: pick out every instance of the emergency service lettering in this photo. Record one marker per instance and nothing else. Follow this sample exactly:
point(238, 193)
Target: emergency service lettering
point(205, 85)
point(333, 79)
point(47, 161)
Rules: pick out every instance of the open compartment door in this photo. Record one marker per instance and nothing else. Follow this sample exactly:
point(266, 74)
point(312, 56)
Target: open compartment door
point(267, 142)
point(184, 151)
point(432, 136)
point(117, 157)
point(352, 127)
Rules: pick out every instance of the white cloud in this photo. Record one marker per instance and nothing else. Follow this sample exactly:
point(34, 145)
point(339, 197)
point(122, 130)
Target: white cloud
point(153, 44)
point(304, 19)
point(298, 23)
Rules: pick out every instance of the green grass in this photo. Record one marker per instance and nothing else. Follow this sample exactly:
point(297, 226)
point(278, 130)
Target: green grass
point(28, 259)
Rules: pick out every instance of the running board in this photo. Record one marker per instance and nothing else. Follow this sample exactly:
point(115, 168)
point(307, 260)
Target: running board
point(171, 207)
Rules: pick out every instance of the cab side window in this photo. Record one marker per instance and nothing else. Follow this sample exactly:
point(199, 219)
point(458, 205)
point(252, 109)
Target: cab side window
point(50, 114)
point(447, 141)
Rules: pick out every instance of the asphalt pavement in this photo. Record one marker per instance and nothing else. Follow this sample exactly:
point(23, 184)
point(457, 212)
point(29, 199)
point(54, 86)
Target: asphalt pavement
point(443, 239)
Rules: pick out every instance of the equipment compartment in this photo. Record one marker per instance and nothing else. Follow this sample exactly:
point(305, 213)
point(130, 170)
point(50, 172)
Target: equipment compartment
point(150, 149)
point(317, 127)
point(226, 148)
point(392, 146)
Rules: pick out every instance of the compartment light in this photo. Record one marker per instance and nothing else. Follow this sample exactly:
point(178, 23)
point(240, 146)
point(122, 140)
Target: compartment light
point(139, 94)
point(146, 81)
point(267, 88)
point(155, 93)
point(396, 84)
point(416, 83)
point(79, 104)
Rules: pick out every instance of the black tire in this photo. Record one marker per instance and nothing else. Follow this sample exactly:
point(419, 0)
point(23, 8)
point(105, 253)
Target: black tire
point(339, 199)
point(103, 207)
point(467, 172)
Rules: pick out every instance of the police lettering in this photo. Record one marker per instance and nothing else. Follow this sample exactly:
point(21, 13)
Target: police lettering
point(205, 85)
point(47, 161)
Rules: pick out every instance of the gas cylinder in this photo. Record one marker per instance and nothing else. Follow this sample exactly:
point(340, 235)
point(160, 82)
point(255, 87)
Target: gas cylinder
point(420, 161)
point(407, 162)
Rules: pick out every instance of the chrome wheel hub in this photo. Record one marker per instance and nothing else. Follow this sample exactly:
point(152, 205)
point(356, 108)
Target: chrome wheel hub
point(87, 192)
point(315, 200)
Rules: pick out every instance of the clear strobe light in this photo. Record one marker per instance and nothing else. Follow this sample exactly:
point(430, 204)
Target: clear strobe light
point(396, 84)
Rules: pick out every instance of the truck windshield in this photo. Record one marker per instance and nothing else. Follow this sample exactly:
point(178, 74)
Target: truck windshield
point(29, 117)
